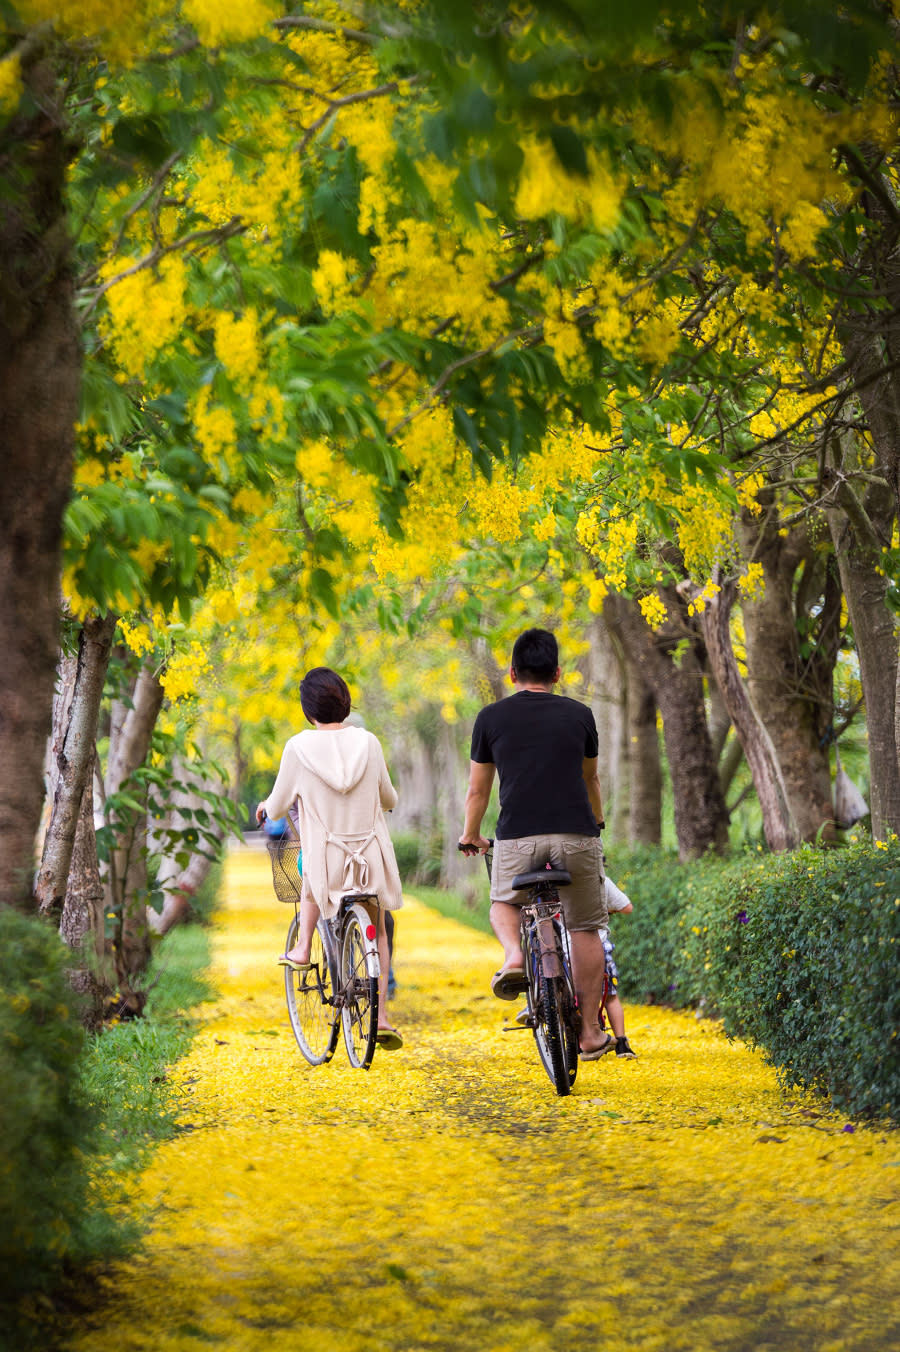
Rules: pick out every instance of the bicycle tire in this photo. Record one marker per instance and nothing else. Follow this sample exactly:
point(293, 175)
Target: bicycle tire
point(359, 993)
point(310, 997)
point(571, 1025)
point(549, 1036)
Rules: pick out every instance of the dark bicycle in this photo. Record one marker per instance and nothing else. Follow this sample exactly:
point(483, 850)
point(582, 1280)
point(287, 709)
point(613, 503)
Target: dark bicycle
point(341, 982)
point(552, 1011)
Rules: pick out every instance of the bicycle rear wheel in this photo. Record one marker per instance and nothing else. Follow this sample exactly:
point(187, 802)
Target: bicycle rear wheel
point(570, 1023)
point(359, 987)
point(310, 997)
point(549, 1032)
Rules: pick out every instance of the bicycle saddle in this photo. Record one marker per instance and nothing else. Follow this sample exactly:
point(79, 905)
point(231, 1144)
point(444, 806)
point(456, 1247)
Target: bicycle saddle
point(559, 877)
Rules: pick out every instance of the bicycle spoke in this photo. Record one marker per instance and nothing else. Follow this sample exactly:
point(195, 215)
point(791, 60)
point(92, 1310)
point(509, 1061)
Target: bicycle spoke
point(310, 999)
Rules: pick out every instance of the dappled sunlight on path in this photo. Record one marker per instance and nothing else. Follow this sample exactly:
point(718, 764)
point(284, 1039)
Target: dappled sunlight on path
point(447, 1199)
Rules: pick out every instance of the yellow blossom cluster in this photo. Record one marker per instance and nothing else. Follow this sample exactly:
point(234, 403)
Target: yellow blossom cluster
point(10, 84)
point(545, 186)
point(220, 21)
point(146, 310)
point(184, 671)
point(653, 609)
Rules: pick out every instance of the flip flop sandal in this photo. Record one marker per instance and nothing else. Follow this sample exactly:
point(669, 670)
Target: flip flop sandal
point(389, 1039)
point(508, 983)
point(294, 966)
point(597, 1052)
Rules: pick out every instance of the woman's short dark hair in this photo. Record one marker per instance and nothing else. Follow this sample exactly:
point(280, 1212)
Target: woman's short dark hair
point(324, 696)
point(535, 656)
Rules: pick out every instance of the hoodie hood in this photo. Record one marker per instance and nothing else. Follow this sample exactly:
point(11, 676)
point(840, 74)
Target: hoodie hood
point(339, 758)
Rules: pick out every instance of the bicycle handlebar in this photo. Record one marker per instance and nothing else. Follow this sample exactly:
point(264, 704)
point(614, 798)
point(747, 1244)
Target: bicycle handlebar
point(473, 849)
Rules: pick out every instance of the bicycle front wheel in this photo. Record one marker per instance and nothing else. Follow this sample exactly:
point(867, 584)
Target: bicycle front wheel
point(549, 1032)
point(310, 997)
point(359, 991)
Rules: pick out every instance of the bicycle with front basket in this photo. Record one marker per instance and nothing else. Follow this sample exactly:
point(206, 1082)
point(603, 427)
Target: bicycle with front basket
point(340, 986)
point(552, 1010)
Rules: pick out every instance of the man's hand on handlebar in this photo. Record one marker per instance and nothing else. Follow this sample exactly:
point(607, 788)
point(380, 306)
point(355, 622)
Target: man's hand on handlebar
point(474, 844)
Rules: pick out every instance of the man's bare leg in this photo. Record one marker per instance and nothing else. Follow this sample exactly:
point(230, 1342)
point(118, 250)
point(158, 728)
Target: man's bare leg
point(588, 971)
point(505, 924)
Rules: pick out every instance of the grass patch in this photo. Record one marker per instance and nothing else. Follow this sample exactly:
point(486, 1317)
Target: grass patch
point(125, 1067)
point(471, 911)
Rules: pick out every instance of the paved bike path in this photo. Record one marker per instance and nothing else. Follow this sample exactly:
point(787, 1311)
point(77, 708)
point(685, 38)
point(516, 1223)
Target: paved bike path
point(447, 1199)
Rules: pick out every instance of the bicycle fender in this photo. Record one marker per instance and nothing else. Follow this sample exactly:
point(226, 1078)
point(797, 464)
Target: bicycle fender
point(373, 966)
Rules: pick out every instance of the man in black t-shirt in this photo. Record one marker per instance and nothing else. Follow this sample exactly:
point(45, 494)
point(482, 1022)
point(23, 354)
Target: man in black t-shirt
point(544, 748)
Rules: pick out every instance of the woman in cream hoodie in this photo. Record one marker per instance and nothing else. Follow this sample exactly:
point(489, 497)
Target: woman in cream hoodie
point(336, 780)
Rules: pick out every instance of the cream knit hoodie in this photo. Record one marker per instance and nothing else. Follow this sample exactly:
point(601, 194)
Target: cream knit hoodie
point(341, 787)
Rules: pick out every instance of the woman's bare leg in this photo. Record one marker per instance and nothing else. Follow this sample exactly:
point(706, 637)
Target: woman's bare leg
point(309, 918)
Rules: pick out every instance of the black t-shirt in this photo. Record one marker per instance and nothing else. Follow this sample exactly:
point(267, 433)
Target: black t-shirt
point(538, 742)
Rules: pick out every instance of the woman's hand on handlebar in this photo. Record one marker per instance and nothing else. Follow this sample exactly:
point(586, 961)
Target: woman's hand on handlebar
point(260, 814)
point(474, 844)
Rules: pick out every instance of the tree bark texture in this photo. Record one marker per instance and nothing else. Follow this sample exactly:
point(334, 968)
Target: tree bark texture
point(645, 765)
point(778, 824)
point(83, 923)
point(74, 737)
point(604, 669)
point(861, 523)
point(126, 880)
point(701, 817)
point(40, 365)
point(793, 635)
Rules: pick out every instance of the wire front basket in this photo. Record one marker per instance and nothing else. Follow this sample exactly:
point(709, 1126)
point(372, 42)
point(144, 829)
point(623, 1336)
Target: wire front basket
point(287, 866)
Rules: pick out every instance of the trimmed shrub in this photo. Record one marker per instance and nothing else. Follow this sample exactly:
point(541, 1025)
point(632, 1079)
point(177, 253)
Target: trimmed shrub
point(45, 1125)
point(797, 953)
point(647, 941)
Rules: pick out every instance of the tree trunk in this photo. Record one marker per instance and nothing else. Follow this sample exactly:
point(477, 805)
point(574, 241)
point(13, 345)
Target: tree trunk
point(607, 693)
point(40, 366)
point(860, 526)
point(83, 923)
point(126, 881)
point(452, 799)
point(74, 737)
point(792, 634)
point(645, 767)
point(701, 818)
point(778, 824)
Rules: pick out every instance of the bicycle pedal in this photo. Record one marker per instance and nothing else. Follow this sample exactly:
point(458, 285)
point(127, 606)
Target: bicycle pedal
point(517, 1027)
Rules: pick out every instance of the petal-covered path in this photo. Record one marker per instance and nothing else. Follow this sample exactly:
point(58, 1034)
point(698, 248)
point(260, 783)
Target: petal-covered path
point(447, 1199)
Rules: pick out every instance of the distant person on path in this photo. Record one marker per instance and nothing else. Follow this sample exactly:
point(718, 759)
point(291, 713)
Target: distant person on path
point(335, 778)
point(544, 747)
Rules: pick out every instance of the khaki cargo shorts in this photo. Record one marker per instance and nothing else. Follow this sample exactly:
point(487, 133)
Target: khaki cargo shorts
point(584, 902)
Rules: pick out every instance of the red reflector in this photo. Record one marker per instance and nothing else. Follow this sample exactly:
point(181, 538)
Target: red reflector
point(370, 931)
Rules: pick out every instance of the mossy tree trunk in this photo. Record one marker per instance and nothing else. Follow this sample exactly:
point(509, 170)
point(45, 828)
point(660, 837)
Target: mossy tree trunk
point(40, 367)
point(670, 662)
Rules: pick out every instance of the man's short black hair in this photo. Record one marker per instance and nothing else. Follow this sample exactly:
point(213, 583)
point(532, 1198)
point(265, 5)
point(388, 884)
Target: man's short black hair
point(535, 656)
point(324, 696)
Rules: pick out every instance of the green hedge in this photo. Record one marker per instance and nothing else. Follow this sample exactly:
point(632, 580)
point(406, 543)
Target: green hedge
point(797, 953)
